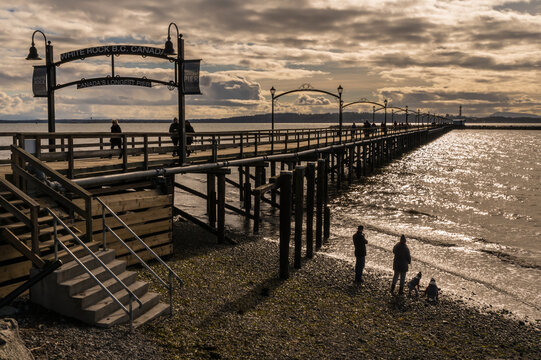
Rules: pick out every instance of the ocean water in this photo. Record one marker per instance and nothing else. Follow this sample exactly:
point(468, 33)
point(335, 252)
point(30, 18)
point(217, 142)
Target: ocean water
point(469, 203)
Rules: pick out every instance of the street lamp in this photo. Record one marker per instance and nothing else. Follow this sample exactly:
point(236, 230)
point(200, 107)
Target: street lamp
point(51, 81)
point(272, 91)
point(179, 77)
point(406, 116)
point(385, 117)
point(373, 114)
point(340, 90)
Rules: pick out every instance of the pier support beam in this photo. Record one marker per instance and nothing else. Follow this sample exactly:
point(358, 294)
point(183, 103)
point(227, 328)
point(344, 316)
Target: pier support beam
point(221, 208)
point(319, 202)
point(310, 193)
point(298, 176)
point(285, 222)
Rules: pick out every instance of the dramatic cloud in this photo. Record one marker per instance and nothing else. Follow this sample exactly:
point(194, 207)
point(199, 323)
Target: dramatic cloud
point(434, 55)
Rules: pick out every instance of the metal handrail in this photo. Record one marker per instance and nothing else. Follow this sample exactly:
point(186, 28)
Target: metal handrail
point(57, 242)
point(156, 256)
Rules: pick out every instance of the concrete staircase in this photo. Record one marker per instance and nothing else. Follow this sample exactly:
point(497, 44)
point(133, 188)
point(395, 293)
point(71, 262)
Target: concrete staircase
point(71, 291)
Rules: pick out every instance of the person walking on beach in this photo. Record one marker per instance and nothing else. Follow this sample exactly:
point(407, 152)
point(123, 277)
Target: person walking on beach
point(116, 141)
point(174, 130)
point(359, 241)
point(401, 261)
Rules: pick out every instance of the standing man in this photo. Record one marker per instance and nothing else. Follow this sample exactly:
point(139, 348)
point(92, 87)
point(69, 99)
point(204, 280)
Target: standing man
point(401, 261)
point(360, 253)
point(174, 130)
point(189, 138)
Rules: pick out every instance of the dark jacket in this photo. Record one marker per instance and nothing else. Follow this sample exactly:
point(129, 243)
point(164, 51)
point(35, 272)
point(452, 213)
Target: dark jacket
point(360, 244)
point(116, 129)
point(189, 129)
point(174, 130)
point(402, 257)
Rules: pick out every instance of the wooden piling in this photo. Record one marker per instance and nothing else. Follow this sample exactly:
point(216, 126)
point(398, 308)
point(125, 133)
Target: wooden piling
point(221, 208)
point(211, 199)
point(285, 222)
point(310, 193)
point(299, 201)
point(319, 202)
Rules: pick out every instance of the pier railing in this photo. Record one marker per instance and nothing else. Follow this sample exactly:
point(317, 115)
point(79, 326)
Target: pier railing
point(142, 150)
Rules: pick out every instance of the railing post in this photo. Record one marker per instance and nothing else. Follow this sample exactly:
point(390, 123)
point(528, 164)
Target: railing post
point(285, 144)
point(35, 229)
point(310, 192)
point(285, 222)
point(221, 208)
point(211, 199)
point(170, 293)
point(70, 156)
point(38, 147)
point(257, 210)
point(104, 228)
point(241, 146)
point(214, 149)
point(299, 201)
point(55, 234)
point(88, 205)
point(319, 202)
point(124, 153)
point(145, 157)
point(247, 189)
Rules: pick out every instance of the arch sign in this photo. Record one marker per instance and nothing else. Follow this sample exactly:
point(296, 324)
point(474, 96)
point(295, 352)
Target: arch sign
point(190, 73)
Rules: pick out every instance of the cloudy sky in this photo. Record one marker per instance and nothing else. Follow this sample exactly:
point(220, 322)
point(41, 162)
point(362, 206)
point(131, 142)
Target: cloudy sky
point(433, 55)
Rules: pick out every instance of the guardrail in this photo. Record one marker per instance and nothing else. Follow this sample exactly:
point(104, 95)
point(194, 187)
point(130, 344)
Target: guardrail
point(206, 146)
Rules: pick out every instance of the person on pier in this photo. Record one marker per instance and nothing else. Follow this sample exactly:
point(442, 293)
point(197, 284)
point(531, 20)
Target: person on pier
point(174, 130)
point(402, 259)
point(359, 241)
point(116, 141)
point(189, 138)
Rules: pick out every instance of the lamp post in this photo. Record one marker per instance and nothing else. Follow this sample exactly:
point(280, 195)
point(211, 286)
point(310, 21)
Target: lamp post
point(373, 114)
point(179, 75)
point(272, 91)
point(340, 90)
point(385, 107)
point(406, 116)
point(51, 82)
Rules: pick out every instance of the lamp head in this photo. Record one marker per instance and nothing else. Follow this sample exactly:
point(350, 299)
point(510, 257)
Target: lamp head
point(272, 91)
point(340, 89)
point(33, 53)
point(385, 102)
point(169, 50)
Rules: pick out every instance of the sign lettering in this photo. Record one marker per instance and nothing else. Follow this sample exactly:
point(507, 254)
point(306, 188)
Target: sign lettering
point(112, 50)
point(39, 81)
point(191, 77)
point(113, 81)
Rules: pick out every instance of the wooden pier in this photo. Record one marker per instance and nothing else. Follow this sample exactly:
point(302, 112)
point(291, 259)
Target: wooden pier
point(290, 170)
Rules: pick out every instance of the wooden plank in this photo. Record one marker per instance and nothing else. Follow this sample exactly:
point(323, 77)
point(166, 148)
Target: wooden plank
point(129, 201)
point(130, 218)
point(16, 270)
point(141, 230)
point(135, 245)
point(65, 182)
point(5, 290)
point(18, 192)
point(161, 251)
point(15, 211)
point(61, 199)
point(22, 248)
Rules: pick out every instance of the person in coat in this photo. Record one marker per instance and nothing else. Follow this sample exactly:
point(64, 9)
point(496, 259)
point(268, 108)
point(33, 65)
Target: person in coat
point(359, 241)
point(189, 138)
point(116, 141)
point(432, 291)
point(174, 130)
point(401, 261)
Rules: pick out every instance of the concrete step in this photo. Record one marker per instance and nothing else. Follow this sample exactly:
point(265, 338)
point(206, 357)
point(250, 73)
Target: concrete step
point(72, 269)
point(83, 282)
point(149, 300)
point(108, 306)
point(154, 312)
point(94, 294)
